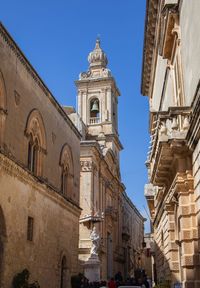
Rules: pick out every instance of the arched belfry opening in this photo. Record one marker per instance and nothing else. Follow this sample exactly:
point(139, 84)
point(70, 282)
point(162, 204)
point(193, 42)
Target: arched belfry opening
point(94, 111)
point(2, 244)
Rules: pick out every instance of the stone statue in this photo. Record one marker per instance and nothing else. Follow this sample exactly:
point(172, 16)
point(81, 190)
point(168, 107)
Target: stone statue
point(94, 236)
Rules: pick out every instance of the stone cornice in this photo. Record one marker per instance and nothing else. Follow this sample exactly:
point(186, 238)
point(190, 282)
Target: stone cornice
point(29, 68)
point(149, 44)
point(128, 200)
point(25, 176)
point(92, 144)
point(94, 81)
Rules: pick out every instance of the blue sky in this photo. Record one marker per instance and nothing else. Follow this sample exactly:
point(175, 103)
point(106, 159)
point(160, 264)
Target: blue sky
point(57, 36)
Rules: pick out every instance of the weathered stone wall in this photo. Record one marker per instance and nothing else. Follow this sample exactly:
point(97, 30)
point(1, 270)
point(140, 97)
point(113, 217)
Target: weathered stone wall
point(59, 130)
point(55, 230)
point(172, 42)
point(195, 223)
point(28, 194)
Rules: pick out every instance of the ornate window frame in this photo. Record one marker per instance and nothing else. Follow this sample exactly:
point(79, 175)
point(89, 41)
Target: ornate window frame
point(3, 108)
point(67, 171)
point(36, 142)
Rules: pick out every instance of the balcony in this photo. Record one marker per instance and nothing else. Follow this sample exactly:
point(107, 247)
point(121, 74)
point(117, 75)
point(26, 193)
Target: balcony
point(94, 120)
point(150, 192)
point(169, 131)
point(92, 218)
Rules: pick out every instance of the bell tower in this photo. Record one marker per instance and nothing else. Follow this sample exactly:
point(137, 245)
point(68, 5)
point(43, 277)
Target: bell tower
point(98, 101)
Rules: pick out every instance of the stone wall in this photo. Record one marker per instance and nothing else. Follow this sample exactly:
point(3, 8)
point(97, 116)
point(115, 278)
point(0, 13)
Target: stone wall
point(27, 108)
point(172, 42)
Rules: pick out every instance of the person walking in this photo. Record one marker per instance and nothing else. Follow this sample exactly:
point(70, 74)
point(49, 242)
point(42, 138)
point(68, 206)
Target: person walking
point(112, 284)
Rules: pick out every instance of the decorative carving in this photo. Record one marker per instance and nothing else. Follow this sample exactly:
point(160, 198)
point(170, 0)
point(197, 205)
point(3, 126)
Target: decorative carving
point(35, 127)
point(86, 166)
point(17, 98)
point(163, 129)
point(186, 123)
point(53, 137)
point(84, 75)
point(106, 72)
point(94, 236)
point(174, 124)
point(3, 112)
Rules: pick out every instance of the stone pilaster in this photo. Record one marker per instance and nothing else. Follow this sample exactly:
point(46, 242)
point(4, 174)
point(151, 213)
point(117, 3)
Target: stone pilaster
point(187, 229)
point(172, 248)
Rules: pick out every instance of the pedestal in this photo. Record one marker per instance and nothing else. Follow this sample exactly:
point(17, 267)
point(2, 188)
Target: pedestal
point(92, 268)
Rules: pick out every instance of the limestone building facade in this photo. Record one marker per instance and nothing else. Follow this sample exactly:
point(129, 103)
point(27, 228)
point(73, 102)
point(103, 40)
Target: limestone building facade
point(39, 176)
point(171, 80)
point(132, 237)
point(102, 193)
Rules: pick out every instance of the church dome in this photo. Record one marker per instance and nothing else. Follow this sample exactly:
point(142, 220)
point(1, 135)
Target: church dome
point(97, 57)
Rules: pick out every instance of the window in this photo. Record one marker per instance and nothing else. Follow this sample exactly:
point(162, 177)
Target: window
point(178, 82)
point(2, 107)
point(30, 229)
point(32, 155)
point(36, 142)
point(64, 181)
point(67, 173)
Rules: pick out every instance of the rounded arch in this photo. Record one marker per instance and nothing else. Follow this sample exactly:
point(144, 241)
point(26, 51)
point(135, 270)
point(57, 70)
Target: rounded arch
point(3, 107)
point(35, 127)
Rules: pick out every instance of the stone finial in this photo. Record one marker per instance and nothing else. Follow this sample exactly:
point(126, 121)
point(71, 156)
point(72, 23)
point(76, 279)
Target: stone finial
point(97, 58)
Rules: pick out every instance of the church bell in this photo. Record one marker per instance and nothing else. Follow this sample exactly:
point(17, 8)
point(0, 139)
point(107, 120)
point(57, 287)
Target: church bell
point(95, 106)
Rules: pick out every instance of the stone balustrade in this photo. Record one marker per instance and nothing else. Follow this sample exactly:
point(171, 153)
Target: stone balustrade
point(94, 120)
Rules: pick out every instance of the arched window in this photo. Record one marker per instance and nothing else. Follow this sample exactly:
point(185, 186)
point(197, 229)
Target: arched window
point(33, 147)
point(63, 273)
point(3, 105)
point(67, 171)
point(64, 180)
point(36, 143)
point(94, 111)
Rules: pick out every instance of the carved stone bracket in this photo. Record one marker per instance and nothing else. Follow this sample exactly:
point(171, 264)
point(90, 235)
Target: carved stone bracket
point(86, 166)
